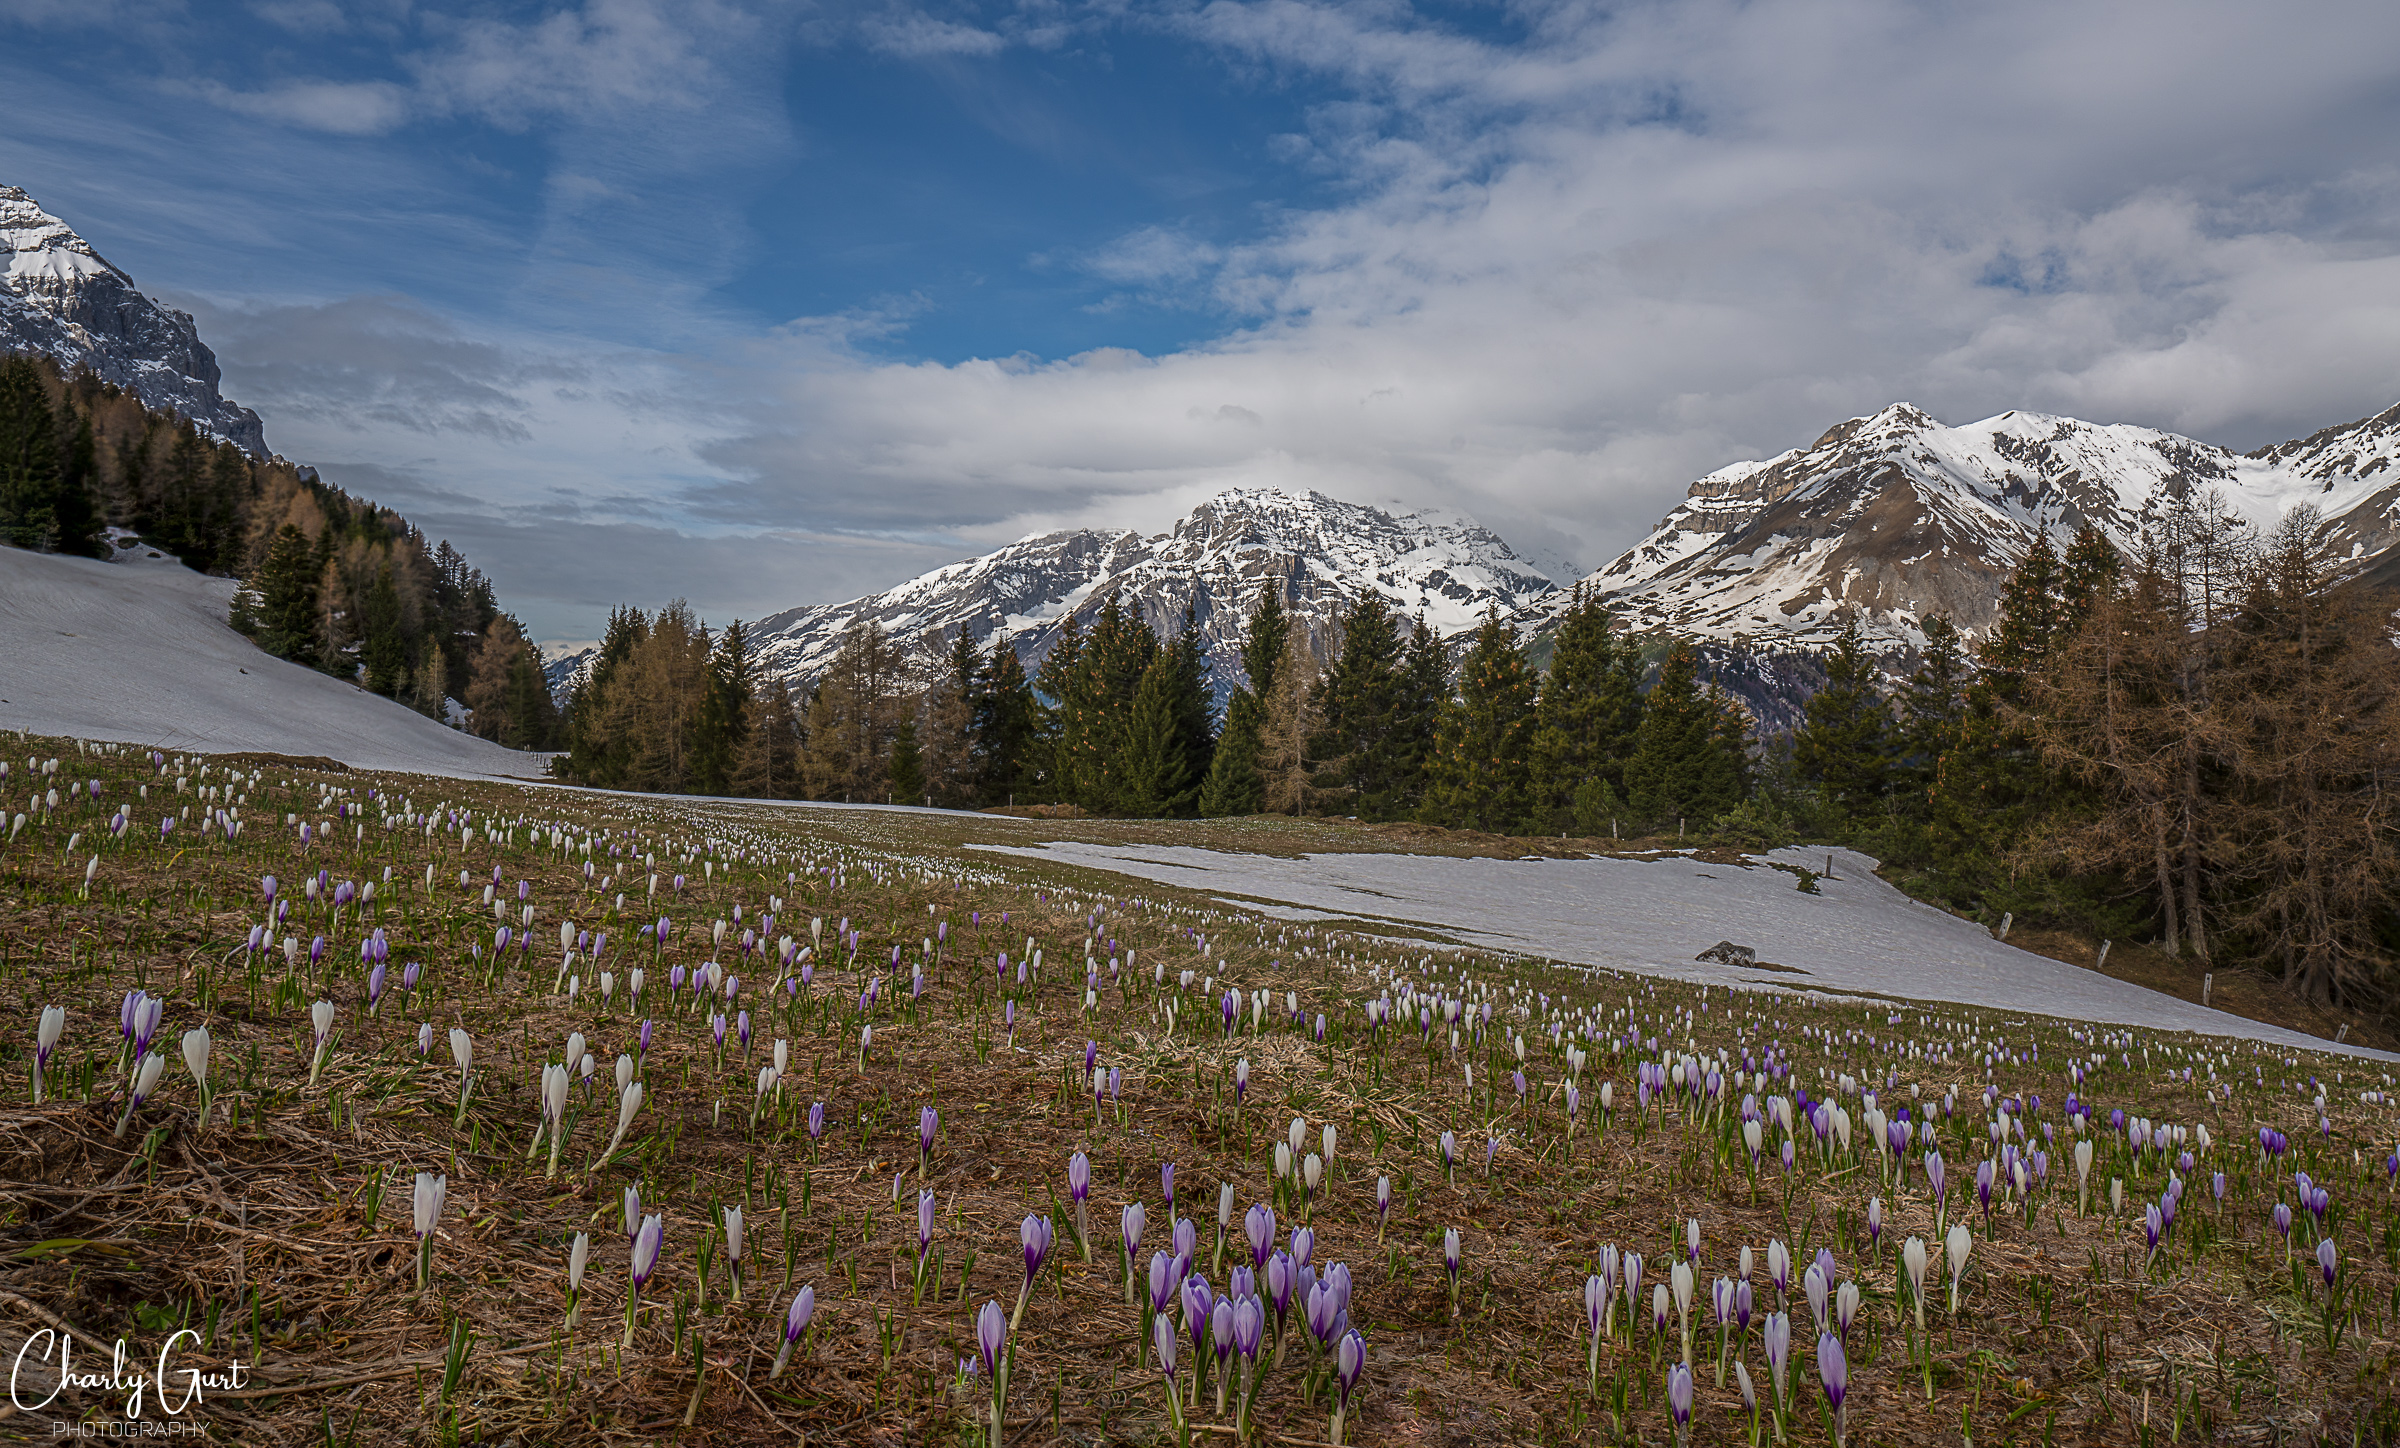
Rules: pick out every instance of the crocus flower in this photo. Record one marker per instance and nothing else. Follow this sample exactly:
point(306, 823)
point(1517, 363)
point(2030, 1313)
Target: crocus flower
point(647, 1240)
point(431, 1192)
point(929, 1125)
point(1131, 1221)
point(1036, 1234)
point(320, 1018)
point(735, 1240)
point(1778, 1333)
point(1079, 1187)
point(1383, 1206)
point(1450, 1263)
point(1957, 1244)
point(1163, 1343)
point(2328, 1259)
point(1833, 1369)
point(146, 1072)
point(1349, 1364)
point(1679, 1399)
point(195, 1060)
point(795, 1323)
point(578, 1256)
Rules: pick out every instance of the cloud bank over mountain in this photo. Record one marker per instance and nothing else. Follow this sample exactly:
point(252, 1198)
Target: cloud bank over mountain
point(771, 304)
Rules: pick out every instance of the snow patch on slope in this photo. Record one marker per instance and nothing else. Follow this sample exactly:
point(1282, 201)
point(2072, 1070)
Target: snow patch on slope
point(140, 652)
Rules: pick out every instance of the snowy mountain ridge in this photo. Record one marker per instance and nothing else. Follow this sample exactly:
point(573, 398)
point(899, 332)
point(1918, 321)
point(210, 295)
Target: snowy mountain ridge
point(1325, 554)
point(1896, 516)
point(61, 299)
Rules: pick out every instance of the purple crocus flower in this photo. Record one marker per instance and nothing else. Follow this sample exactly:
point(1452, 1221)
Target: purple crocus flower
point(1833, 1369)
point(1259, 1225)
point(929, 1125)
point(644, 1035)
point(1197, 1301)
point(1163, 1281)
point(1679, 1398)
point(1037, 1234)
point(991, 1331)
point(816, 1120)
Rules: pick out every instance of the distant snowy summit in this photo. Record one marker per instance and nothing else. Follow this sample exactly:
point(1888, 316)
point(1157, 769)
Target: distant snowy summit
point(1322, 553)
point(58, 297)
point(1896, 517)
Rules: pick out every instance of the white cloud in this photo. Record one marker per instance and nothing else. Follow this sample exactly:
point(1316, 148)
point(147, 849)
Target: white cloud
point(343, 108)
point(1571, 272)
point(915, 36)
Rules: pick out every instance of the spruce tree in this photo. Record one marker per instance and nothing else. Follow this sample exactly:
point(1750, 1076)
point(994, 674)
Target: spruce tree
point(1686, 765)
point(1481, 776)
point(287, 586)
point(1195, 710)
point(1153, 769)
point(1008, 724)
point(722, 729)
point(1844, 743)
point(1590, 708)
point(384, 636)
point(1362, 699)
point(908, 764)
point(1233, 786)
point(1933, 707)
point(30, 477)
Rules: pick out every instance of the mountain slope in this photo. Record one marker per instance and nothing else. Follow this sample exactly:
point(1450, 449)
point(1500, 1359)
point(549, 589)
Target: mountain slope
point(1326, 554)
point(58, 297)
point(139, 650)
point(1896, 516)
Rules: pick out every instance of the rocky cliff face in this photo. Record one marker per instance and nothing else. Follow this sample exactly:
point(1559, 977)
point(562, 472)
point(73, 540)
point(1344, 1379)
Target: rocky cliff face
point(59, 298)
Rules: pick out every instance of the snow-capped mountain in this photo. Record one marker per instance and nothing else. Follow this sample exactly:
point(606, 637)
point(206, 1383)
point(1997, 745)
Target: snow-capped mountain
point(565, 664)
point(59, 298)
point(1325, 554)
point(1895, 517)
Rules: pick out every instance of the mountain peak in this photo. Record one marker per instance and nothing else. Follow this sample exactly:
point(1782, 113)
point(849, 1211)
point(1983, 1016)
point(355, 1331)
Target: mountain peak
point(61, 299)
point(1893, 517)
point(1323, 553)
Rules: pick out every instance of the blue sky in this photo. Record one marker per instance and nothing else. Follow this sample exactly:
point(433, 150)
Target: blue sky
point(763, 304)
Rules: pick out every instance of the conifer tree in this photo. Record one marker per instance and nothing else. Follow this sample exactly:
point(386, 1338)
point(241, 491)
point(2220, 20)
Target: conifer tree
point(1008, 725)
point(1195, 711)
point(1686, 763)
point(1844, 744)
point(952, 764)
point(1590, 708)
point(287, 586)
point(1153, 770)
point(908, 764)
point(770, 767)
point(44, 502)
point(1362, 710)
point(1481, 774)
point(1933, 710)
point(721, 731)
point(1288, 718)
point(384, 636)
point(1234, 784)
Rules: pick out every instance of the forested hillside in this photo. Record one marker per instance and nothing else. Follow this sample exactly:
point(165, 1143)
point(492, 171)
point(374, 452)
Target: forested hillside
point(331, 581)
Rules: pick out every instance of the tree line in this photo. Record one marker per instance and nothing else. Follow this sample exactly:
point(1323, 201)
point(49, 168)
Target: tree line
point(1119, 719)
point(329, 580)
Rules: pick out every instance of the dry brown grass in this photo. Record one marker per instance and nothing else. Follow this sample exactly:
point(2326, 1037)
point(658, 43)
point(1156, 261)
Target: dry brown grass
point(262, 1218)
